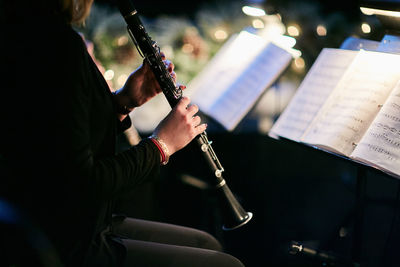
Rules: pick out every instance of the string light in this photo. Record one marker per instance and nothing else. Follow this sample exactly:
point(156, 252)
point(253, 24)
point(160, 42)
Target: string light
point(121, 79)
point(258, 23)
point(365, 28)
point(299, 63)
point(187, 48)
point(220, 35)
point(293, 30)
point(321, 30)
point(123, 40)
point(108, 75)
point(373, 11)
point(253, 11)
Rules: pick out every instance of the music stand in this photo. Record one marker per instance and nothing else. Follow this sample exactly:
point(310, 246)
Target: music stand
point(388, 13)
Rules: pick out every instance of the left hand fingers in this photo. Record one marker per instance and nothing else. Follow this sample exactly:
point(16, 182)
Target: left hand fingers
point(173, 76)
point(169, 65)
point(162, 55)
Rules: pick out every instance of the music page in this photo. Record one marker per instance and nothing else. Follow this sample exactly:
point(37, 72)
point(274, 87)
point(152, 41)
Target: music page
point(354, 102)
point(312, 93)
point(224, 68)
point(230, 85)
point(380, 146)
point(239, 98)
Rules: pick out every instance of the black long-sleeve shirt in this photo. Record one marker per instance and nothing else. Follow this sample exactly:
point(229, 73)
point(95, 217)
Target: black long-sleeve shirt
point(58, 134)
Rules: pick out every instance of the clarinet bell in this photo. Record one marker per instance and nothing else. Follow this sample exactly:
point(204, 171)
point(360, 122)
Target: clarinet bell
point(233, 214)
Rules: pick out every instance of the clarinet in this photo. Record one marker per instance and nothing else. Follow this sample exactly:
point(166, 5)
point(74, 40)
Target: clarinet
point(233, 214)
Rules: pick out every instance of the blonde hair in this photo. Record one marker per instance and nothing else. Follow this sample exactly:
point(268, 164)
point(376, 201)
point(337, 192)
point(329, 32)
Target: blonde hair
point(76, 11)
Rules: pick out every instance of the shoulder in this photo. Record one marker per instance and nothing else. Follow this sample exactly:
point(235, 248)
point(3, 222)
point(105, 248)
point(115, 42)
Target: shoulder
point(67, 44)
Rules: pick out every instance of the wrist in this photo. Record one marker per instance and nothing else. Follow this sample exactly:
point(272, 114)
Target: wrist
point(162, 147)
point(121, 105)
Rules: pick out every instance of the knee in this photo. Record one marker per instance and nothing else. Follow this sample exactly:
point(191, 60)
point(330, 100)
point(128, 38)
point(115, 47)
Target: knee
point(221, 259)
point(207, 241)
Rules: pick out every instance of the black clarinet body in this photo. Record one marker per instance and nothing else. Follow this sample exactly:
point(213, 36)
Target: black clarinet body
point(233, 214)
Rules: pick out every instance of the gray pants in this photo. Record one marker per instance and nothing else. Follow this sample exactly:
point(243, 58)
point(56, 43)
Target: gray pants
point(157, 244)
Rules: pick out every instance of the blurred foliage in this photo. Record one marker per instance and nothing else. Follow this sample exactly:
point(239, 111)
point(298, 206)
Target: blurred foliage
point(189, 39)
point(188, 42)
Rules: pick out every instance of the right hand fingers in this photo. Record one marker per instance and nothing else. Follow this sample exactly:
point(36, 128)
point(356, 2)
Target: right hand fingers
point(200, 128)
point(189, 113)
point(185, 104)
point(192, 110)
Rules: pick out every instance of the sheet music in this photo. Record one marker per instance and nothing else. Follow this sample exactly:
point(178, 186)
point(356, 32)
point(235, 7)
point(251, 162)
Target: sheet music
point(224, 68)
point(209, 70)
point(380, 145)
point(233, 105)
point(355, 101)
point(312, 93)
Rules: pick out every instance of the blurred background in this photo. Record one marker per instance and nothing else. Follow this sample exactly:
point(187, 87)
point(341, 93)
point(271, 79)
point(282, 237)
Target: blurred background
point(298, 195)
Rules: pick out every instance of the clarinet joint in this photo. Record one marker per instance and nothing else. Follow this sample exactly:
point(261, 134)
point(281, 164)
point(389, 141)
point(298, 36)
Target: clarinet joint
point(207, 148)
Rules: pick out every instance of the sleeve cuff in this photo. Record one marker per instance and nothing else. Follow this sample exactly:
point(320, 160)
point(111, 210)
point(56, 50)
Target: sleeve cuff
point(124, 124)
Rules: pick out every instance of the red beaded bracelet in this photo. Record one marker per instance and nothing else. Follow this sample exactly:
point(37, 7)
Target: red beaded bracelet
point(162, 147)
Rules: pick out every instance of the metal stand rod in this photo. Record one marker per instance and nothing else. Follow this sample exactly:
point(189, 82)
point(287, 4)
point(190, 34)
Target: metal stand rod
point(359, 213)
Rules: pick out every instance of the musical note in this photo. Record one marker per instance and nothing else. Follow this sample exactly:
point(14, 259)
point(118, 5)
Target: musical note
point(380, 146)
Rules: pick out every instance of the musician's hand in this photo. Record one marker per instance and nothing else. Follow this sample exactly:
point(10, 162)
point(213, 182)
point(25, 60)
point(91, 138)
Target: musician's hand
point(141, 86)
point(180, 126)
